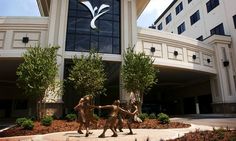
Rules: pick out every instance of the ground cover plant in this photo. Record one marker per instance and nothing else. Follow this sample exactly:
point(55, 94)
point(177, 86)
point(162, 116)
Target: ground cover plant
point(215, 135)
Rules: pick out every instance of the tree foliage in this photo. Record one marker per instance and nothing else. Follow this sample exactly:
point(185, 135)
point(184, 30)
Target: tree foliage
point(87, 75)
point(38, 71)
point(138, 72)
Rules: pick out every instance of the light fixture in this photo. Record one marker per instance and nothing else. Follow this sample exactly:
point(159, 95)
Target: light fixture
point(208, 60)
point(25, 40)
point(226, 63)
point(176, 53)
point(153, 49)
point(194, 57)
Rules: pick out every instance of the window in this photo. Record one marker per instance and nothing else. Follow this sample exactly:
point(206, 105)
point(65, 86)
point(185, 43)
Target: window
point(189, 1)
point(181, 28)
point(81, 37)
point(195, 17)
point(179, 8)
point(211, 4)
point(218, 30)
point(152, 27)
point(168, 18)
point(159, 27)
point(200, 38)
point(234, 18)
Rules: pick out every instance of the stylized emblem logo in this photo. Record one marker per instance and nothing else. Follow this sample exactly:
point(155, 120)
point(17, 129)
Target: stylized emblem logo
point(96, 13)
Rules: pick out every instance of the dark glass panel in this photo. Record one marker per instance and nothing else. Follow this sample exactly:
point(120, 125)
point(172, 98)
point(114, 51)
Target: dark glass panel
point(105, 28)
point(72, 13)
point(116, 46)
point(83, 26)
point(116, 29)
point(84, 37)
point(84, 14)
point(94, 42)
point(82, 7)
point(105, 44)
point(82, 43)
point(116, 7)
point(107, 2)
point(70, 42)
point(73, 4)
point(116, 18)
point(71, 25)
point(106, 17)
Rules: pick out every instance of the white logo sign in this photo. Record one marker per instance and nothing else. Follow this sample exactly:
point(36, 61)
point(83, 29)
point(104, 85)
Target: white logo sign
point(96, 13)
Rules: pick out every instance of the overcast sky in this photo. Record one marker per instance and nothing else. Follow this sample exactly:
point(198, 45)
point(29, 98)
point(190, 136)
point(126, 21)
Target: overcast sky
point(30, 8)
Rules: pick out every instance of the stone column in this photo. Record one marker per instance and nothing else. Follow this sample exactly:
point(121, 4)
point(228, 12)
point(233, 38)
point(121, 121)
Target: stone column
point(57, 36)
point(128, 35)
point(223, 85)
point(197, 106)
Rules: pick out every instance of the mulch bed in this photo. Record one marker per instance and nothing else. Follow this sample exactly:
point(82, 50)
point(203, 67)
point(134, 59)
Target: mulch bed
point(216, 135)
point(62, 125)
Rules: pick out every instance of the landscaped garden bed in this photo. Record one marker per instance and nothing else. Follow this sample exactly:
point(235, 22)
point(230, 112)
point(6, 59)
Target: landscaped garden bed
point(63, 125)
point(215, 135)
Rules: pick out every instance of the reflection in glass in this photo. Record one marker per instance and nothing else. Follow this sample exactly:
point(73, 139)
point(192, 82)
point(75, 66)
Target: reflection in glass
point(81, 37)
point(105, 44)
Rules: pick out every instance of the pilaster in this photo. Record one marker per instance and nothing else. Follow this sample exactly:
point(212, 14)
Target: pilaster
point(223, 85)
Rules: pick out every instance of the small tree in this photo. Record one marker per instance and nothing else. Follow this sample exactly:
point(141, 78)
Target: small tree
point(37, 73)
point(87, 75)
point(138, 74)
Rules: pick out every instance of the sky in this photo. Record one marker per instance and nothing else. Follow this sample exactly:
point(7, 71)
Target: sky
point(30, 8)
point(152, 11)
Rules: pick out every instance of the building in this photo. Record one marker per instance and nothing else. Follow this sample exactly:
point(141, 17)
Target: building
point(192, 78)
point(200, 20)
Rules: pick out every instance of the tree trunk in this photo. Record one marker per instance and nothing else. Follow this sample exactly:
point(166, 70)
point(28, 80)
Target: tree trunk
point(37, 109)
point(139, 98)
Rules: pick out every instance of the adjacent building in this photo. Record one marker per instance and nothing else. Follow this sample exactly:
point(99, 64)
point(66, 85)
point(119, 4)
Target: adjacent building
point(201, 19)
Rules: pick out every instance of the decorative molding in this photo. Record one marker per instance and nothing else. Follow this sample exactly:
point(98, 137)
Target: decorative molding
point(2, 38)
point(18, 36)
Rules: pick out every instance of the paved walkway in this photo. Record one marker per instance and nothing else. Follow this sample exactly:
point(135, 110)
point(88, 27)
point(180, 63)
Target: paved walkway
point(213, 122)
point(140, 134)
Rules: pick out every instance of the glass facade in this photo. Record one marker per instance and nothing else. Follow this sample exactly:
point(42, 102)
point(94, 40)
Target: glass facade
point(81, 37)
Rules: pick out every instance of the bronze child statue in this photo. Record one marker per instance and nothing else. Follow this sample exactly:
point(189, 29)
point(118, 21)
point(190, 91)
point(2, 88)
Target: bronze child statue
point(111, 121)
point(84, 109)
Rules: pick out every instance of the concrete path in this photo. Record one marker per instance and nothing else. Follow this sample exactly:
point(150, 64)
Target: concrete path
point(140, 134)
point(213, 122)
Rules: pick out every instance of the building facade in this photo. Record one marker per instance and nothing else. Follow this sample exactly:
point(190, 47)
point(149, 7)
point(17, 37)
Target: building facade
point(200, 20)
point(192, 78)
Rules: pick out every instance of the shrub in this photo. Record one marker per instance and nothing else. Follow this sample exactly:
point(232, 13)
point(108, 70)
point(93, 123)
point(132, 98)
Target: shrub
point(163, 118)
point(47, 121)
point(28, 124)
point(71, 117)
point(33, 118)
point(19, 121)
point(152, 116)
point(143, 116)
point(96, 116)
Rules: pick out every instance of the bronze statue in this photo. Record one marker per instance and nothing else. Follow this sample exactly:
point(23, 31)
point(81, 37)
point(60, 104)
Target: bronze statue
point(133, 108)
point(111, 121)
point(85, 112)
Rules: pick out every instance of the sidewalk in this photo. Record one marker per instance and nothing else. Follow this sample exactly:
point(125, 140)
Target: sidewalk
point(140, 135)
